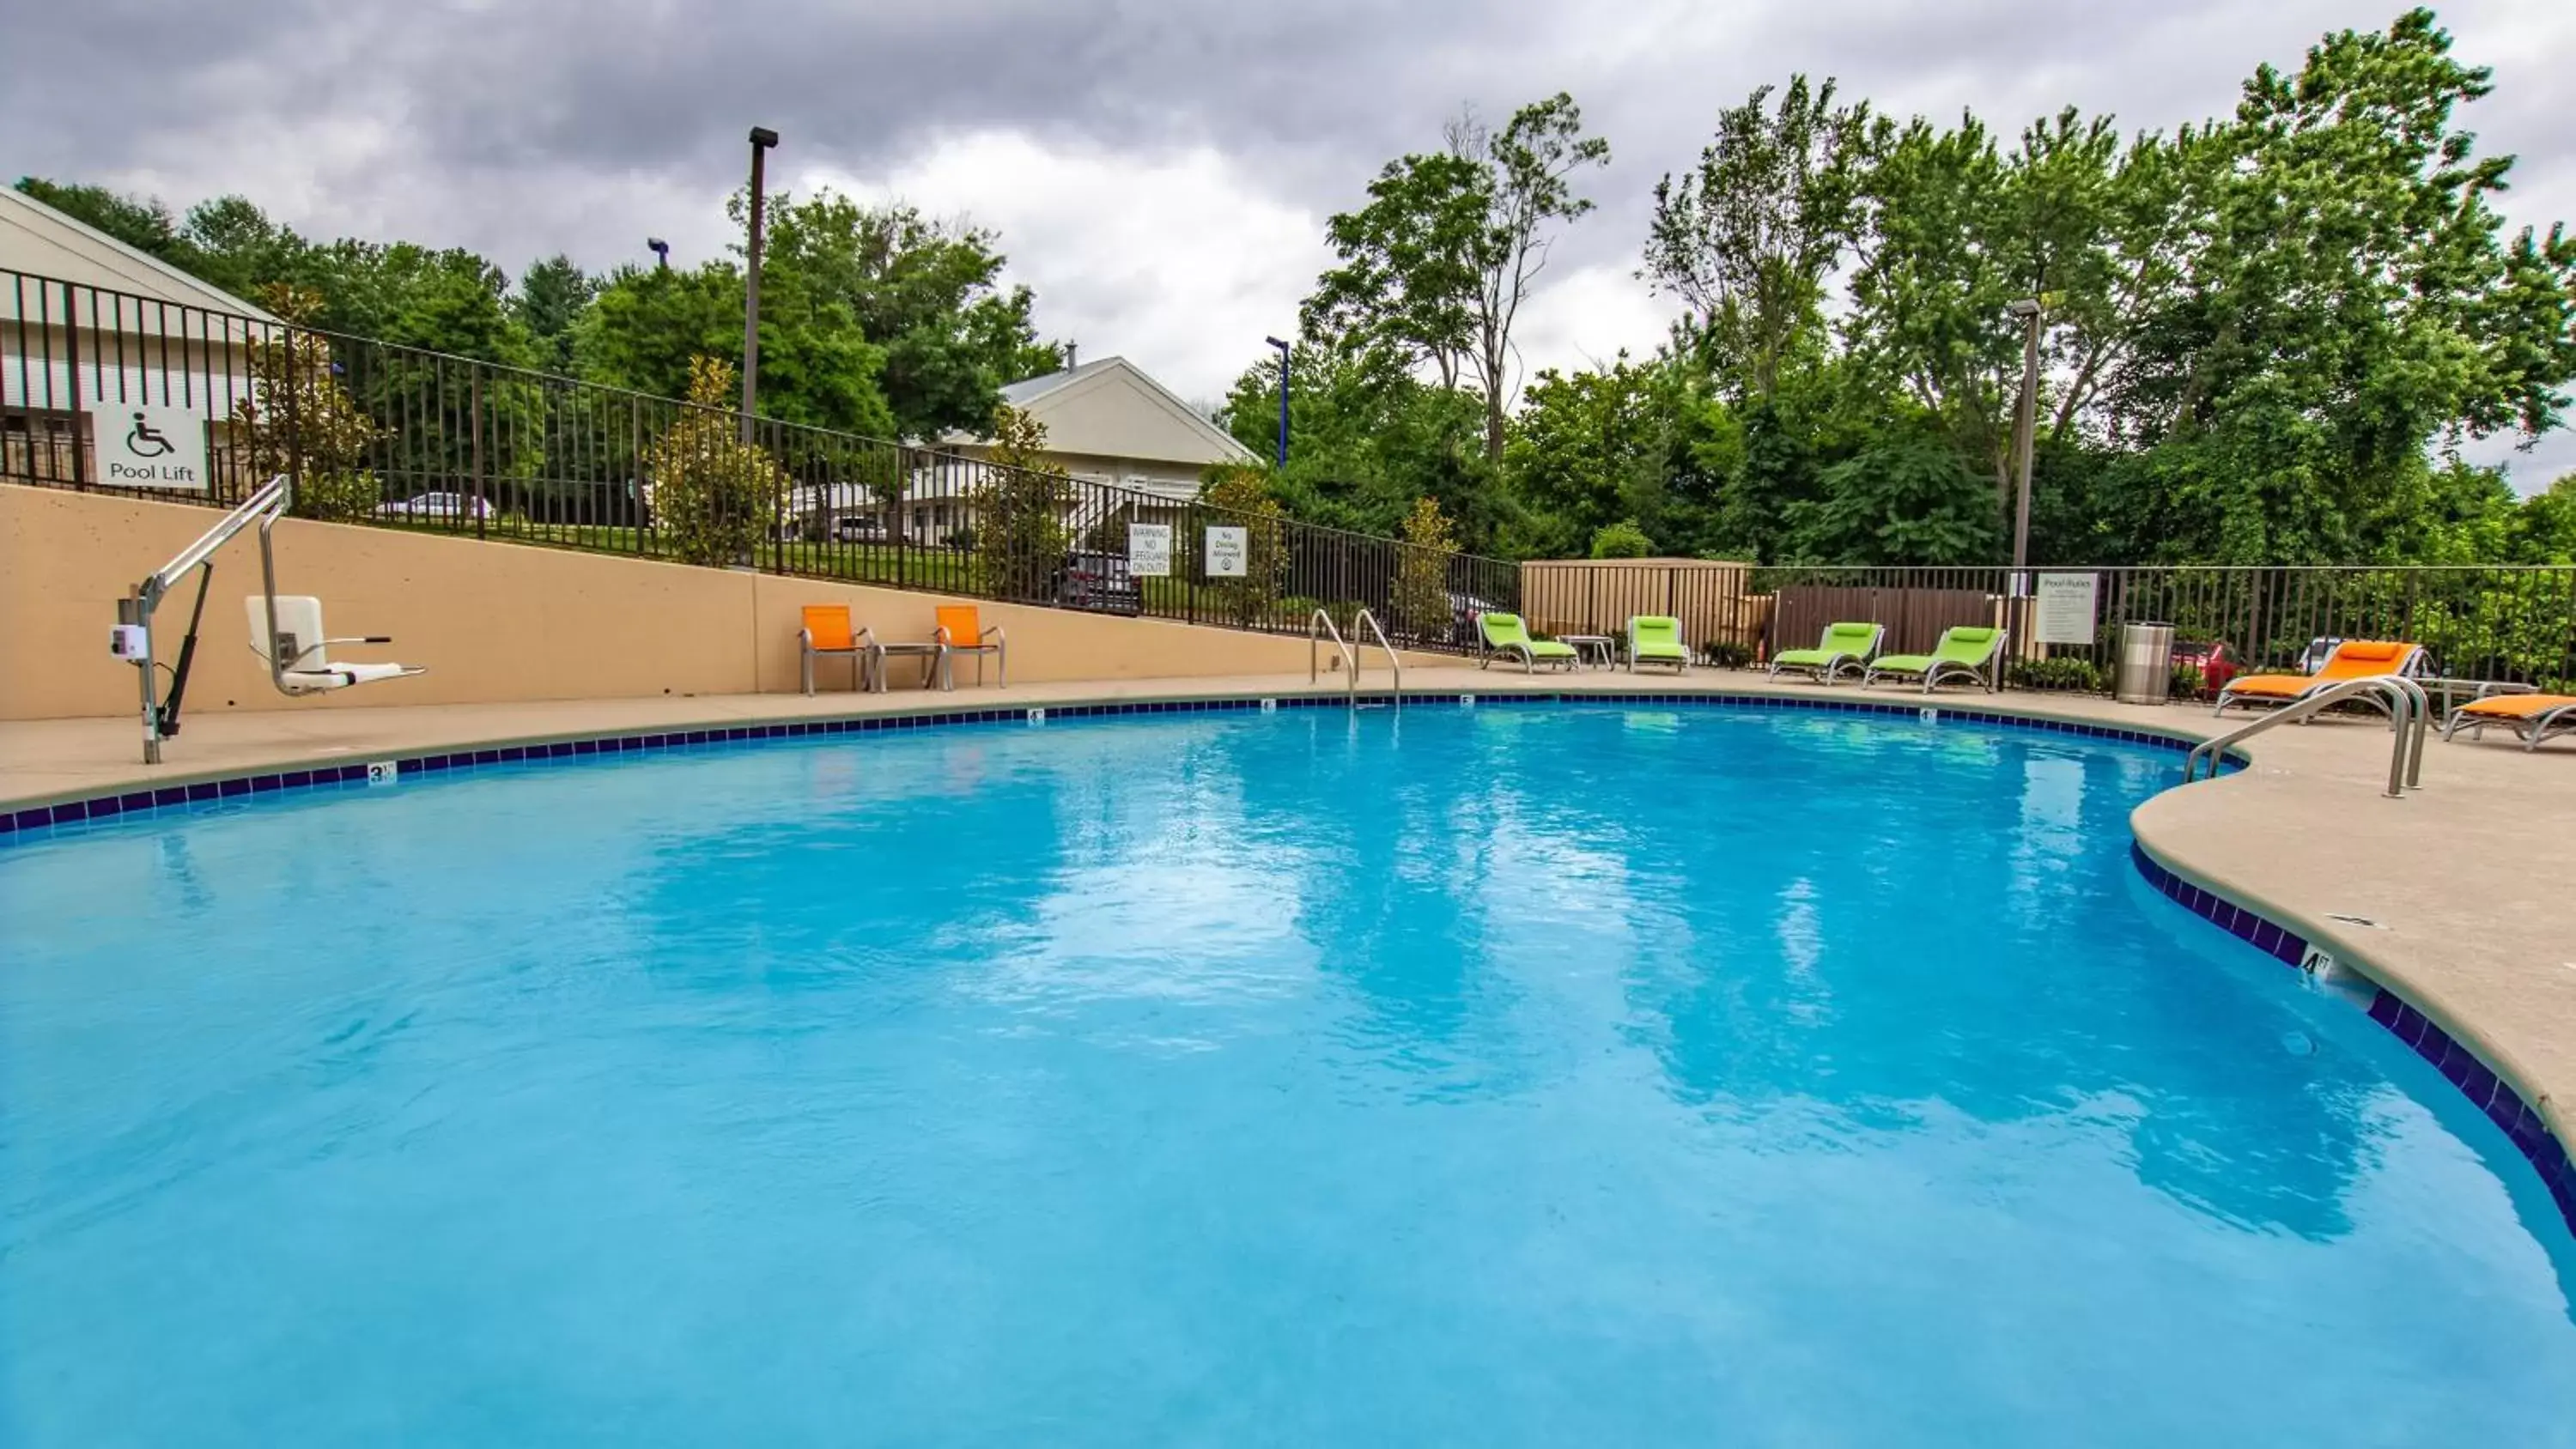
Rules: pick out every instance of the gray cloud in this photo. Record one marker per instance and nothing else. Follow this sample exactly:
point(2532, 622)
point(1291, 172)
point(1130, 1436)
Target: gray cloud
point(522, 129)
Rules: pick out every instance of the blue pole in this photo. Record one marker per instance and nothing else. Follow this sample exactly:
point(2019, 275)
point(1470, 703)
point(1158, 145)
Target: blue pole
point(1283, 398)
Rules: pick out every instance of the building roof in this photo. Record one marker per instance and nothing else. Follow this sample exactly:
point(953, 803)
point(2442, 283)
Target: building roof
point(1110, 408)
point(42, 242)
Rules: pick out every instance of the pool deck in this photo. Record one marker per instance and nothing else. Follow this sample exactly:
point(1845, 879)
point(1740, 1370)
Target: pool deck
point(2454, 898)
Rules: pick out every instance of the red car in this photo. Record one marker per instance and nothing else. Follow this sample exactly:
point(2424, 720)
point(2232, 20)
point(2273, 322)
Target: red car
point(2216, 662)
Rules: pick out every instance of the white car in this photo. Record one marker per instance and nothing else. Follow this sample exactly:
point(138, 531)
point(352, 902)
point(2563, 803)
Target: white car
point(438, 505)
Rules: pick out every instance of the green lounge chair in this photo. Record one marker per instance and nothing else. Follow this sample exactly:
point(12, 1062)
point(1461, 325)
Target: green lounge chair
point(1964, 652)
point(1657, 639)
point(1507, 636)
point(1845, 646)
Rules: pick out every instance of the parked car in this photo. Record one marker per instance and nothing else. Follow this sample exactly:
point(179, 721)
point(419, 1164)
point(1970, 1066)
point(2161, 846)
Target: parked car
point(1463, 609)
point(1098, 581)
point(2215, 661)
point(859, 528)
point(437, 505)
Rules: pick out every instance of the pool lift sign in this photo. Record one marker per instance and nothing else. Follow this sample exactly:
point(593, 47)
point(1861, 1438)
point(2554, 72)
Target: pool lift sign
point(141, 446)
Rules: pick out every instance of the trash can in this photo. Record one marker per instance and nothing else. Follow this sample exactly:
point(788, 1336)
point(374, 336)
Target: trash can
point(2145, 675)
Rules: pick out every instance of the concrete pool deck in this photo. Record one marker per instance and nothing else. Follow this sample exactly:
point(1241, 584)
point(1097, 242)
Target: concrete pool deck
point(2452, 897)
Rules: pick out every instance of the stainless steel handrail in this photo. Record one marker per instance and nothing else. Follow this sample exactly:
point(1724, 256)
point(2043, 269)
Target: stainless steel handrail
point(2409, 711)
point(1350, 660)
point(264, 508)
point(1393, 664)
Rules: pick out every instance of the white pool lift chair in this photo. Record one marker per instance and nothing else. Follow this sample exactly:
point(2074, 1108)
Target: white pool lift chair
point(285, 629)
point(299, 653)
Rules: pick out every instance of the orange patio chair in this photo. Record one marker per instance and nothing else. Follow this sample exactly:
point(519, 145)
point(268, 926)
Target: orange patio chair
point(2535, 717)
point(2352, 659)
point(827, 631)
point(961, 632)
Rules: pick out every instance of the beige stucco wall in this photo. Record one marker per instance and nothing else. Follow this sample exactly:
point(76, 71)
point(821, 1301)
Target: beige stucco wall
point(494, 622)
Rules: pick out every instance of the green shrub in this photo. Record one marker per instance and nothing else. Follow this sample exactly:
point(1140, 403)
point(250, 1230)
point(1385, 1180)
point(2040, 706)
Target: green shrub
point(712, 494)
point(1726, 654)
point(2079, 676)
point(1623, 539)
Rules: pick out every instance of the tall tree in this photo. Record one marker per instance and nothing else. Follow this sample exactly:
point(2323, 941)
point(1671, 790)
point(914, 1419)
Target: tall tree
point(142, 223)
point(1435, 269)
point(1751, 237)
point(1529, 165)
point(551, 296)
point(2353, 299)
point(928, 293)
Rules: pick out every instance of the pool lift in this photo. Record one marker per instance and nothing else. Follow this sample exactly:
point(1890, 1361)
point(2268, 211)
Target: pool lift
point(298, 656)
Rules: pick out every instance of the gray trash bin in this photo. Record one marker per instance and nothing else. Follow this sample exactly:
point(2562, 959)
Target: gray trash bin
point(2146, 664)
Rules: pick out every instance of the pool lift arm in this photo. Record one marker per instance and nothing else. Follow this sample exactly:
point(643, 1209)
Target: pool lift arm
point(132, 637)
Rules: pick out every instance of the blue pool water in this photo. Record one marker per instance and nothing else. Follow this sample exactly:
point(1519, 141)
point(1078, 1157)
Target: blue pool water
point(1522, 1075)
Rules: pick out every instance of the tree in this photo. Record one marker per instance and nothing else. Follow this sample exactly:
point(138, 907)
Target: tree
point(298, 420)
point(1370, 439)
point(1236, 495)
point(1750, 238)
point(927, 293)
point(1907, 501)
point(1585, 448)
point(1623, 539)
point(2351, 300)
point(712, 495)
point(141, 223)
point(551, 297)
point(1435, 268)
point(1020, 501)
point(1529, 167)
point(1422, 604)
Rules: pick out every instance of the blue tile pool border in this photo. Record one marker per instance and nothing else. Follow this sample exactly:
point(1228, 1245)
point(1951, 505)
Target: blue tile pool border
point(112, 804)
point(2486, 1089)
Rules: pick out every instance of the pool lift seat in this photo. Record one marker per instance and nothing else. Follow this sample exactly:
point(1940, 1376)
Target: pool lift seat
point(285, 629)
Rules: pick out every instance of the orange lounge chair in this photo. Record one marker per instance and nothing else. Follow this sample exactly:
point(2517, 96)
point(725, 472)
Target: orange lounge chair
point(2352, 659)
point(827, 631)
point(2535, 717)
point(961, 632)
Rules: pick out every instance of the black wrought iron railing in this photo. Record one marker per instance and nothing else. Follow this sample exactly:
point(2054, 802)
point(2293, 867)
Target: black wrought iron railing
point(399, 437)
point(2500, 622)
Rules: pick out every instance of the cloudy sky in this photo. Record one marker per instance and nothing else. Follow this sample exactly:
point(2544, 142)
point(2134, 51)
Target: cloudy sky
point(1159, 169)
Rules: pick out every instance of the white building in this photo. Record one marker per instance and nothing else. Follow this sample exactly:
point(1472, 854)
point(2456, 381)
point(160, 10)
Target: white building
point(89, 324)
point(1108, 424)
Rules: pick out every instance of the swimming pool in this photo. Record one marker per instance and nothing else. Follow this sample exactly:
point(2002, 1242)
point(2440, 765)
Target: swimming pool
point(1526, 1073)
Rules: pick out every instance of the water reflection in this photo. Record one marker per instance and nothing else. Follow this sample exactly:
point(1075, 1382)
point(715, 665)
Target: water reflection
point(1896, 926)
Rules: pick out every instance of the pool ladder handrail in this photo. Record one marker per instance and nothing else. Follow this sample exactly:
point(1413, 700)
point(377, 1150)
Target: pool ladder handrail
point(1394, 665)
point(1314, 641)
point(2410, 711)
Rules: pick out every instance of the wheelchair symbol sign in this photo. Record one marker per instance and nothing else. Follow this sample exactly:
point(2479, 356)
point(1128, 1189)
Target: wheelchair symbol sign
point(152, 447)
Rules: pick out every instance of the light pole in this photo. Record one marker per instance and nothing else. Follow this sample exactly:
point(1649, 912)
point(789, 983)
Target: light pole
point(2025, 431)
point(1283, 398)
point(762, 138)
point(661, 253)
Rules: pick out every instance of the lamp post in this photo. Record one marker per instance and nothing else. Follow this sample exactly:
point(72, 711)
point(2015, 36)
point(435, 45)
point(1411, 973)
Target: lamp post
point(2025, 431)
point(661, 253)
point(1283, 398)
point(762, 138)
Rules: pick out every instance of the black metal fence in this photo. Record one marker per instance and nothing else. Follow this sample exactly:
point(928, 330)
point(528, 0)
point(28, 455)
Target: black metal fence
point(398, 437)
point(2510, 623)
